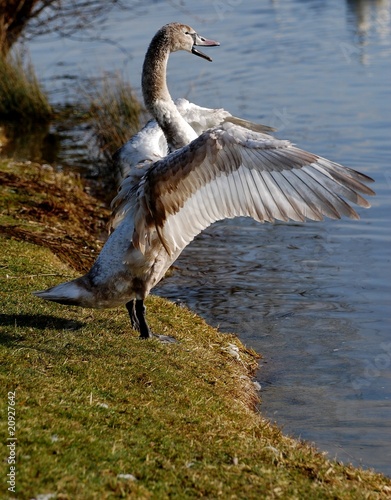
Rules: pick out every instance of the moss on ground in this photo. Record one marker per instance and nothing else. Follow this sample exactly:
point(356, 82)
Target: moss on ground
point(101, 414)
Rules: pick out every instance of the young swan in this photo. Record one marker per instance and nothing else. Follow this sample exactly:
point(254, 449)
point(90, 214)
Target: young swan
point(231, 169)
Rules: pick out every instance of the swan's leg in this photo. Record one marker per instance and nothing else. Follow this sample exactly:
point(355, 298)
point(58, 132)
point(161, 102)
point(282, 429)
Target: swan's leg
point(131, 307)
point(145, 332)
point(136, 311)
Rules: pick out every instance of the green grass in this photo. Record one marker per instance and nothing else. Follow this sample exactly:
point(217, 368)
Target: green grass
point(94, 402)
point(21, 95)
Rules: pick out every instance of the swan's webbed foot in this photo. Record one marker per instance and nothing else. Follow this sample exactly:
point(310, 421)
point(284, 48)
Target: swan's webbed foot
point(136, 310)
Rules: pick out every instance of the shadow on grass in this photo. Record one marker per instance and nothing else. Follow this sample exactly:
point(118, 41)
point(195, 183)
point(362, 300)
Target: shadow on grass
point(39, 321)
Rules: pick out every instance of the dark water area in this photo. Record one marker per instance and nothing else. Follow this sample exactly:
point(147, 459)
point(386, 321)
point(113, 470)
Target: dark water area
point(65, 143)
point(313, 298)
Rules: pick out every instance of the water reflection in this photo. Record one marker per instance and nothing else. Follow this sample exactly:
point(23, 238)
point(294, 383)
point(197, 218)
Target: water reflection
point(366, 19)
point(36, 144)
point(64, 144)
point(371, 14)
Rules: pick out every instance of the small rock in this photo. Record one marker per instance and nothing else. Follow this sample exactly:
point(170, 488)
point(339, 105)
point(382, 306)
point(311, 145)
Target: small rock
point(257, 385)
point(233, 350)
point(127, 477)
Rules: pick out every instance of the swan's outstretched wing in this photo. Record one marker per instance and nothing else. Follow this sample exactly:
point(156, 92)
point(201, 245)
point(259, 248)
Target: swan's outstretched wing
point(149, 145)
point(230, 171)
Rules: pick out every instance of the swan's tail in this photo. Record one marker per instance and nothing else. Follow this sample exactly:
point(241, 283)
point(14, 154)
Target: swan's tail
point(72, 293)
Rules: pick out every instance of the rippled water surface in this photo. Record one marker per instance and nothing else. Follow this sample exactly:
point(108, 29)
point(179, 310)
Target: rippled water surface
point(313, 298)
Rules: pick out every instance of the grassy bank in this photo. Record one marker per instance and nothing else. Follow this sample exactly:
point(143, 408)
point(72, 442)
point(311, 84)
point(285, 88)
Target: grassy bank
point(101, 414)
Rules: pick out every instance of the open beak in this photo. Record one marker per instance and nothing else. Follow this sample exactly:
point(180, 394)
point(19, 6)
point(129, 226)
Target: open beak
point(199, 40)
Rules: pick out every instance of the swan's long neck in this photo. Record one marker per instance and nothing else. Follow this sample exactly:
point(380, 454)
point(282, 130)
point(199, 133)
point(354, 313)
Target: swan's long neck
point(157, 97)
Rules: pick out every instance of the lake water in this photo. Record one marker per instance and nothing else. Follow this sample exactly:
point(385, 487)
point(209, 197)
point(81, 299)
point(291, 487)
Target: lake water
point(313, 298)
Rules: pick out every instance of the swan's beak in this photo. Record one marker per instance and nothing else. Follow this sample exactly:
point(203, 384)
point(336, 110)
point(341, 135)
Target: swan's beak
point(200, 40)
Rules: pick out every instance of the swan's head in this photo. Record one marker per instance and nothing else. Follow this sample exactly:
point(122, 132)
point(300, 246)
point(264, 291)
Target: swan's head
point(183, 37)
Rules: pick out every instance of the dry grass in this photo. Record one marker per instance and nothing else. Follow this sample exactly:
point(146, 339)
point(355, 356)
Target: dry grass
point(21, 95)
point(52, 210)
point(114, 112)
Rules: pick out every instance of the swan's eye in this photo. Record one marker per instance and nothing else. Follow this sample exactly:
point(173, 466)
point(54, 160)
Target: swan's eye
point(193, 35)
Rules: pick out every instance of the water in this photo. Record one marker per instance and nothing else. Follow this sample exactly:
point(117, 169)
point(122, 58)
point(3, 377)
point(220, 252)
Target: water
point(313, 298)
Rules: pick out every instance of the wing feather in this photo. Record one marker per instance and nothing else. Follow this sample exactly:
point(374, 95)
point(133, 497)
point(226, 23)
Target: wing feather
point(230, 171)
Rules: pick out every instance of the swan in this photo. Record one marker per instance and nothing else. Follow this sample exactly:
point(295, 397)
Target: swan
point(181, 179)
point(151, 144)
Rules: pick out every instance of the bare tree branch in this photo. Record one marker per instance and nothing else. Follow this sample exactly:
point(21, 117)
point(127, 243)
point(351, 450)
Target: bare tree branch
point(31, 18)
